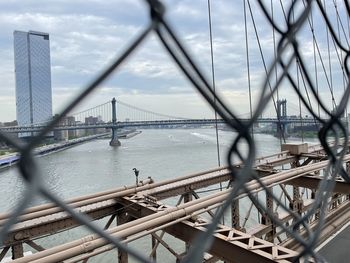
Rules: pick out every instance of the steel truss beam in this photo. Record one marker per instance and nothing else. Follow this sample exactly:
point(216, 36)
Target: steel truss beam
point(229, 244)
point(312, 182)
point(55, 223)
point(3, 252)
point(335, 220)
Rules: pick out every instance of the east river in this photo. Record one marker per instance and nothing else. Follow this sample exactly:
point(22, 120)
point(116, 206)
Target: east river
point(95, 166)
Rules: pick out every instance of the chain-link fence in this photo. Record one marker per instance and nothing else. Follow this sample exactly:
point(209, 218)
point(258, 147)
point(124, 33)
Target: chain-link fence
point(288, 55)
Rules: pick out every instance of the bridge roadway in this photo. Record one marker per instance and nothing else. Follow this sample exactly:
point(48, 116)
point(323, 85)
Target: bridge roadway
point(47, 219)
point(156, 123)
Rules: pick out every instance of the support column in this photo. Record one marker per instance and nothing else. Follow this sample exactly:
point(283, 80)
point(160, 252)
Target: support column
point(336, 200)
point(154, 245)
point(235, 215)
point(266, 219)
point(297, 203)
point(122, 218)
point(313, 196)
point(17, 251)
point(187, 198)
point(347, 167)
point(114, 141)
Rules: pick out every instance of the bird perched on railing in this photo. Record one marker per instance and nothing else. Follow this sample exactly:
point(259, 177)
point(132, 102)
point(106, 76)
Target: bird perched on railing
point(137, 175)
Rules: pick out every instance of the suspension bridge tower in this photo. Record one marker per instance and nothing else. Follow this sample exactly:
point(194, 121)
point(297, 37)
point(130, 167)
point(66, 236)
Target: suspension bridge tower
point(281, 115)
point(114, 141)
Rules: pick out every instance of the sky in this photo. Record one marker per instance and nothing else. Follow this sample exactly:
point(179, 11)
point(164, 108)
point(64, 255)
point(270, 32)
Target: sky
point(87, 35)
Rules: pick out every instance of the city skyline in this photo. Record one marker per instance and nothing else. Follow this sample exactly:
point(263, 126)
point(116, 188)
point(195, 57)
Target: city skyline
point(86, 36)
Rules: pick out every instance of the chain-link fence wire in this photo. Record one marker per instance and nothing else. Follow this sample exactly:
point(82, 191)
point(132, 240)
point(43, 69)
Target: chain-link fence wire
point(288, 51)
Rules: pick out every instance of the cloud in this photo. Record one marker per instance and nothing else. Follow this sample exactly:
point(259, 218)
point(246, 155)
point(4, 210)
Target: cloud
point(86, 36)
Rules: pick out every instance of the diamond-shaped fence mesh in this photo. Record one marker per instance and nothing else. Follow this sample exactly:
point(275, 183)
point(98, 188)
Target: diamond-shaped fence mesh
point(288, 56)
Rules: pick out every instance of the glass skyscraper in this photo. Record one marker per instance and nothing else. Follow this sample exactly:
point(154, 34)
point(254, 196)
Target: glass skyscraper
point(33, 77)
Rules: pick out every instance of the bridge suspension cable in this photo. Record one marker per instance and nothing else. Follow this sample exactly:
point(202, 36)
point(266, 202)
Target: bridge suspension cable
point(213, 84)
point(130, 112)
point(97, 114)
point(265, 69)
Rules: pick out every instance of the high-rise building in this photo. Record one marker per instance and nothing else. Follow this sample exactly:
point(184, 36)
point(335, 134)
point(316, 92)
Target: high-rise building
point(33, 77)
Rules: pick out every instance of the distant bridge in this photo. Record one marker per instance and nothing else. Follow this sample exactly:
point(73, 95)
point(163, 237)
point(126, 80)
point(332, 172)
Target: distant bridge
point(105, 117)
point(137, 124)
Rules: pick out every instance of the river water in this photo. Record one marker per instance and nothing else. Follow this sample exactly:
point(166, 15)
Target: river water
point(95, 166)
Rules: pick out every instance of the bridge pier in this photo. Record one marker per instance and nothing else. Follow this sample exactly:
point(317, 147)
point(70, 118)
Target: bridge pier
point(281, 115)
point(114, 141)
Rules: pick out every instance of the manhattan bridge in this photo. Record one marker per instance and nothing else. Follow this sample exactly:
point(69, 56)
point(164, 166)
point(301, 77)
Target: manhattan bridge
point(107, 116)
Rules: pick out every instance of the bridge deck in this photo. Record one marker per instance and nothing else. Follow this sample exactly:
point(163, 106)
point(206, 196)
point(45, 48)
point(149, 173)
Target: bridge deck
point(145, 123)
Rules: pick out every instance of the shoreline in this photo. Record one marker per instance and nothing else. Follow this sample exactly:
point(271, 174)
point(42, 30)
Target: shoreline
point(7, 161)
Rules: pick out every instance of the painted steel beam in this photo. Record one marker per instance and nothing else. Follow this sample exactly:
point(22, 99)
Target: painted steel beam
point(228, 244)
point(312, 182)
point(335, 220)
point(239, 248)
point(55, 223)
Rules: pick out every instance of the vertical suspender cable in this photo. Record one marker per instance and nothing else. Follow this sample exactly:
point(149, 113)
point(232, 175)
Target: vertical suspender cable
point(315, 60)
point(298, 69)
point(248, 65)
point(347, 117)
point(329, 63)
point(341, 58)
point(274, 48)
point(320, 56)
point(248, 76)
point(298, 83)
point(213, 83)
point(275, 57)
point(214, 90)
point(300, 114)
point(265, 67)
point(348, 23)
point(321, 60)
point(340, 23)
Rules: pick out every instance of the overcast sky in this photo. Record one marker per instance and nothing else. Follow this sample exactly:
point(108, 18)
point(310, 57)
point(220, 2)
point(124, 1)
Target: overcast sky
point(85, 36)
